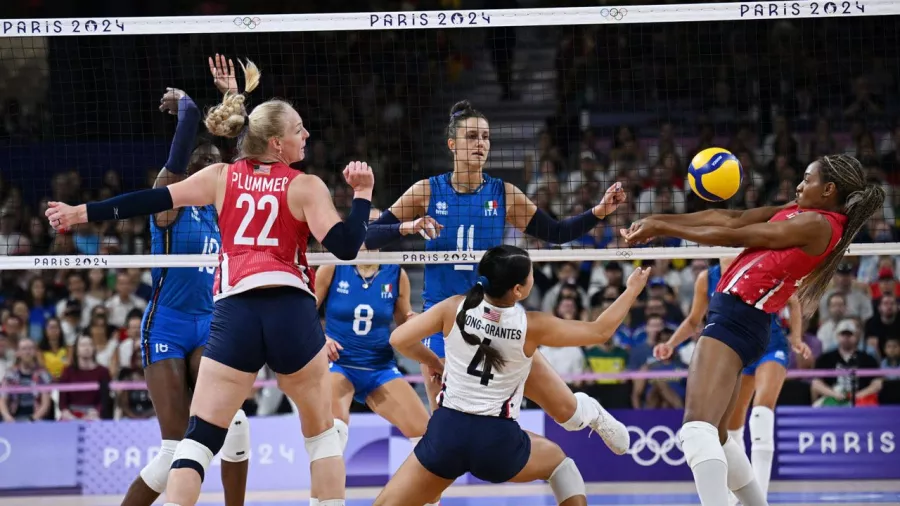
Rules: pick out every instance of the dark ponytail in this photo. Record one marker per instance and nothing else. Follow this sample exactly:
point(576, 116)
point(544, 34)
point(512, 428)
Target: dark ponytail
point(859, 200)
point(500, 270)
point(460, 112)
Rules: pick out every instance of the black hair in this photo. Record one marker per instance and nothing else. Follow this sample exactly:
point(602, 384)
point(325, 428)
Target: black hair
point(858, 200)
point(500, 270)
point(460, 112)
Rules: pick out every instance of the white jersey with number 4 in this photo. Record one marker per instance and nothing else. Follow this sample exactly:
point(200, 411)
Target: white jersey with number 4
point(468, 384)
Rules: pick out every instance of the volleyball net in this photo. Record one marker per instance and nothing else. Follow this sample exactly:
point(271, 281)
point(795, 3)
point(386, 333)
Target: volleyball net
point(576, 98)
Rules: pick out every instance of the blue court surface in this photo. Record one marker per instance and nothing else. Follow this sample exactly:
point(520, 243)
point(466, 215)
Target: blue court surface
point(809, 493)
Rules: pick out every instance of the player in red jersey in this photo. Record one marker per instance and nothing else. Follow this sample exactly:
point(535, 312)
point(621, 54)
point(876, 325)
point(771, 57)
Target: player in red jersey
point(793, 248)
point(265, 311)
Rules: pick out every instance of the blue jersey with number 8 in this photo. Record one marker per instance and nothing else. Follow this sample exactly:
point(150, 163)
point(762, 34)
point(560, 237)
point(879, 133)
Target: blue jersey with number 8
point(472, 222)
point(359, 314)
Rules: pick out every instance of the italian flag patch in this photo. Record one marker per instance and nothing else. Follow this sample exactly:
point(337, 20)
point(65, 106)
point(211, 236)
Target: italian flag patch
point(388, 288)
point(490, 205)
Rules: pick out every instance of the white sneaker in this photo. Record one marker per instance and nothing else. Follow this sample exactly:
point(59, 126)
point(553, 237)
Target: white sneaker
point(613, 432)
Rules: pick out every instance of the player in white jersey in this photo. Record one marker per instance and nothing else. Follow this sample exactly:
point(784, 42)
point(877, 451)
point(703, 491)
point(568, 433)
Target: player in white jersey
point(490, 341)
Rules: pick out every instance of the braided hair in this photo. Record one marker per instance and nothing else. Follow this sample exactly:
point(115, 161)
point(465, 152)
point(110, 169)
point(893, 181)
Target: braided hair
point(859, 200)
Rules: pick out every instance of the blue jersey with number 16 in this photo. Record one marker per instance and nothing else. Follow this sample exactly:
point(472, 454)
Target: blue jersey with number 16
point(185, 289)
point(472, 222)
point(359, 314)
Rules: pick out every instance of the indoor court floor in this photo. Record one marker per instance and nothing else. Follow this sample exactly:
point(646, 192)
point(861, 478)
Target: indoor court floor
point(811, 493)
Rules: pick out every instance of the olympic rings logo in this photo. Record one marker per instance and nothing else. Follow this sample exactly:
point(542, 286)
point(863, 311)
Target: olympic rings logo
point(614, 13)
point(247, 22)
point(5, 450)
point(660, 449)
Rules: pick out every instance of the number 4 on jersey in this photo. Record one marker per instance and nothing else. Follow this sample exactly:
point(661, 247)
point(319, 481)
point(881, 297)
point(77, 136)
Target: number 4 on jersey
point(477, 360)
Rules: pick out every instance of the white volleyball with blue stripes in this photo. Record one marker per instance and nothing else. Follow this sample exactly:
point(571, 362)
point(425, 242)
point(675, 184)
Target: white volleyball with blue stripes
point(715, 174)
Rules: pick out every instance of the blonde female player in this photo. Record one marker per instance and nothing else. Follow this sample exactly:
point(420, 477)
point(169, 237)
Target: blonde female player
point(490, 343)
point(764, 378)
point(466, 210)
point(361, 302)
point(265, 309)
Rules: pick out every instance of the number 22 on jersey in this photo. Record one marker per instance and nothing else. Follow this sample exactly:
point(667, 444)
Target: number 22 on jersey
point(245, 200)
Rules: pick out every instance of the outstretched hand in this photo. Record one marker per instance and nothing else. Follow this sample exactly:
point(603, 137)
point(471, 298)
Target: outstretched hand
point(223, 75)
point(641, 232)
point(615, 196)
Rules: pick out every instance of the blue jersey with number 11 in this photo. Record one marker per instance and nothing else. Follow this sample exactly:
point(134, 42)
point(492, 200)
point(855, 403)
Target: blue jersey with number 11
point(472, 222)
point(359, 314)
point(185, 289)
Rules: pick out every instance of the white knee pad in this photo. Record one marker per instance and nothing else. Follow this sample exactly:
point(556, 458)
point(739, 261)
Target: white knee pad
point(566, 481)
point(343, 431)
point(323, 446)
point(191, 450)
point(332, 502)
point(738, 436)
point(762, 429)
point(156, 473)
point(237, 443)
point(700, 442)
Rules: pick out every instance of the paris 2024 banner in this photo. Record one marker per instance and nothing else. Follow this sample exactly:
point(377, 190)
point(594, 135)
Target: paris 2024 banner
point(104, 457)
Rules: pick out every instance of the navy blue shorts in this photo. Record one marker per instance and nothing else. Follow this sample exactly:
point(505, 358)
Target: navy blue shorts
point(493, 449)
point(739, 325)
point(275, 326)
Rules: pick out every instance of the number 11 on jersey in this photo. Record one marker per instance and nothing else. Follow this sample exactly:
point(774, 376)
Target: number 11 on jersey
point(462, 246)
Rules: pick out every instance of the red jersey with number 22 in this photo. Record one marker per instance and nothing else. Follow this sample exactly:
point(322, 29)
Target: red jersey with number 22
point(262, 243)
point(765, 278)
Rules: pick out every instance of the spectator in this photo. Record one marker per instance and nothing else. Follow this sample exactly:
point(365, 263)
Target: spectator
point(644, 339)
point(659, 393)
point(129, 349)
point(54, 354)
point(841, 391)
point(11, 241)
point(71, 321)
point(7, 355)
point(84, 369)
point(41, 309)
point(890, 393)
point(124, 300)
point(98, 286)
point(858, 303)
point(25, 372)
point(837, 311)
point(77, 292)
point(655, 306)
point(134, 404)
point(568, 277)
point(884, 325)
point(14, 328)
point(570, 360)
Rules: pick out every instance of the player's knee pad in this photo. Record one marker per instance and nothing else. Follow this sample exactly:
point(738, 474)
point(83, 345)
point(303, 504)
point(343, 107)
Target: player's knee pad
point(762, 429)
point(201, 443)
point(236, 447)
point(323, 446)
point(566, 481)
point(700, 442)
point(343, 431)
point(156, 473)
point(738, 436)
point(332, 502)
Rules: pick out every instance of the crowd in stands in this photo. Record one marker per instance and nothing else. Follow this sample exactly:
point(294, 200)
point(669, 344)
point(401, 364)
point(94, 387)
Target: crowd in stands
point(70, 326)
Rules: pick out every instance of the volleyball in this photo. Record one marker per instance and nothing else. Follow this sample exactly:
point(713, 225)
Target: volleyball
point(715, 174)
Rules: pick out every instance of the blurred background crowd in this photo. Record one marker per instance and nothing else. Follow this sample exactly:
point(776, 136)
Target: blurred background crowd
point(572, 110)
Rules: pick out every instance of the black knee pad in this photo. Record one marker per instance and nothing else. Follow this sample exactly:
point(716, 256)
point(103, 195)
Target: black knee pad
point(201, 443)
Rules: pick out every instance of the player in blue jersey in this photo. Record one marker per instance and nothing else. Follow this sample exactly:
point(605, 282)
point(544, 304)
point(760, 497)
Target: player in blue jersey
point(176, 322)
point(466, 210)
point(764, 377)
point(361, 302)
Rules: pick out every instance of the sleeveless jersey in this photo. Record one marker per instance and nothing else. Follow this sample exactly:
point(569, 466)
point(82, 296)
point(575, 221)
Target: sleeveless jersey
point(262, 243)
point(359, 314)
point(766, 278)
point(185, 289)
point(467, 386)
point(776, 335)
point(472, 222)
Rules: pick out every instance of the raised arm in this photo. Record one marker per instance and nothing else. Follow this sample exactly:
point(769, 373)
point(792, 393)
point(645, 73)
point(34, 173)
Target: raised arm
point(809, 231)
point(177, 102)
point(405, 217)
point(721, 217)
point(545, 329)
point(311, 202)
point(523, 214)
point(197, 190)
